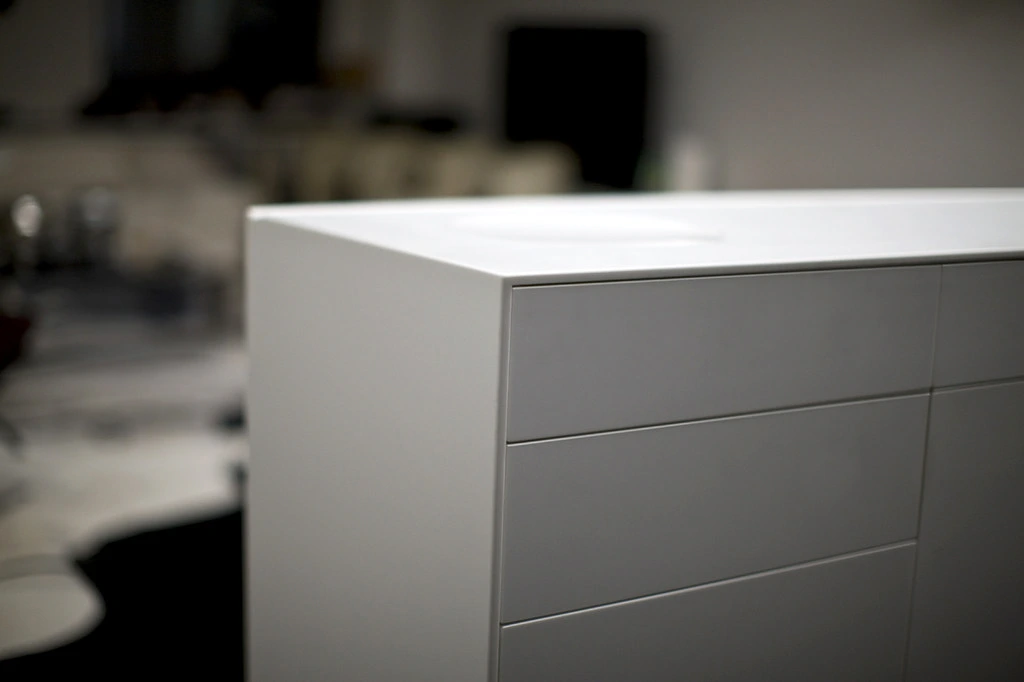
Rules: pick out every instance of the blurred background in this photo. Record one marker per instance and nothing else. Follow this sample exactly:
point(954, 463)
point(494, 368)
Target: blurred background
point(134, 134)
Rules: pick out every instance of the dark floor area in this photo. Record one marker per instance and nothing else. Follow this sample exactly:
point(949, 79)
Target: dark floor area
point(174, 605)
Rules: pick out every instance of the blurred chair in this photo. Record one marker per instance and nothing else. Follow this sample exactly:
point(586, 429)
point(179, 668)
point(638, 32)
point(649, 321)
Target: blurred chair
point(353, 163)
point(383, 163)
point(454, 167)
point(60, 162)
point(322, 164)
point(533, 168)
point(201, 223)
point(273, 158)
point(167, 160)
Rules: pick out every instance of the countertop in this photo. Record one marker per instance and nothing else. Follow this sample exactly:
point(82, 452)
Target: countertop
point(567, 239)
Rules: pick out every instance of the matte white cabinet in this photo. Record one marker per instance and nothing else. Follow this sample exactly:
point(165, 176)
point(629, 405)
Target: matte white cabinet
point(729, 437)
point(600, 519)
point(968, 619)
point(839, 620)
point(588, 358)
point(981, 323)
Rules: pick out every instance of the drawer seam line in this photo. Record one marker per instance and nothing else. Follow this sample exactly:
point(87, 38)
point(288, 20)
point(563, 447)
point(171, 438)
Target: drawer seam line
point(944, 388)
point(922, 392)
point(905, 543)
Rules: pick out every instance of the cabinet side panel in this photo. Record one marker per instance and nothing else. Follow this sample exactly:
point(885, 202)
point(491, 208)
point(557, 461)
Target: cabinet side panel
point(374, 417)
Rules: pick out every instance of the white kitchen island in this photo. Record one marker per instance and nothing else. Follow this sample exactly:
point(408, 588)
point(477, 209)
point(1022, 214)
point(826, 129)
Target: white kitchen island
point(711, 437)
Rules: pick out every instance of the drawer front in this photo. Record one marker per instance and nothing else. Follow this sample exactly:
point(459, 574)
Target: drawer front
point(837, 620)
point(981, 323)
point(591, 520)
point(968, 620)
point(594, 357)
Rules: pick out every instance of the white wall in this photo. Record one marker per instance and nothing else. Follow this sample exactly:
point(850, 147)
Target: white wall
point(353, 29)
point(805, 93)
point(404, 40)
point(51, 55)
point(412, 68)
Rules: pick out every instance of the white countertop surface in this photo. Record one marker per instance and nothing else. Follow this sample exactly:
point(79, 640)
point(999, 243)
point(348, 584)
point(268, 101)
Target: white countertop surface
point(539, 240)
